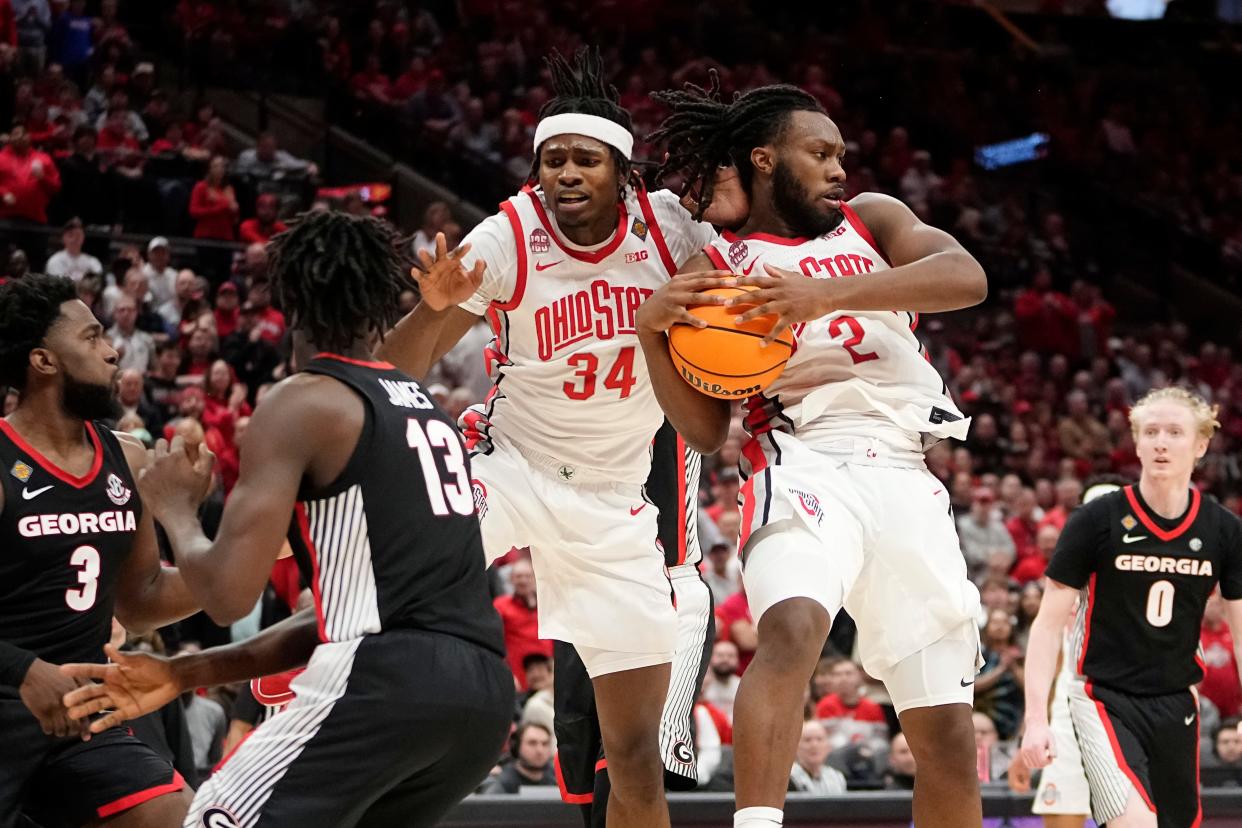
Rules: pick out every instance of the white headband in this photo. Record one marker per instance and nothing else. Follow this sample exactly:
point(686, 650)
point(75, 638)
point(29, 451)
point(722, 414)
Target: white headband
point(592, 126)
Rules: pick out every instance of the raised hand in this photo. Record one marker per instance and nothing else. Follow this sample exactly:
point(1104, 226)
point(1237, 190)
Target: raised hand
point(176, 479)
point(443, 281)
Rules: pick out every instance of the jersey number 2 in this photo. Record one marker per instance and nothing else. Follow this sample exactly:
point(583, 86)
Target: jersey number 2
point(442, 496)
point(620, 376)
point(87, 558)
point(850, 345)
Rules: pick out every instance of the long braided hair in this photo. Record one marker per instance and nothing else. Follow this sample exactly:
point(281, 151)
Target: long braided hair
point(580, 87)
point(338, 275)
point(703, 132)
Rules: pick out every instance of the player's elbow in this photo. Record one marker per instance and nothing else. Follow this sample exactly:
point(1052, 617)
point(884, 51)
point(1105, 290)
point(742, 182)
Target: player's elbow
point(974, 281)
point(226, 610)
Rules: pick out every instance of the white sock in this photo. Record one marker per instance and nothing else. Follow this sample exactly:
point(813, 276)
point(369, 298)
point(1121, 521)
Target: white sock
point(758, 818)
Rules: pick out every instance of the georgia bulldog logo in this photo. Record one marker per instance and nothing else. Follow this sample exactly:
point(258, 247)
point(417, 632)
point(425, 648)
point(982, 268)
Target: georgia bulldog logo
point(117, 492)
point(218, 817)
point(682, 752)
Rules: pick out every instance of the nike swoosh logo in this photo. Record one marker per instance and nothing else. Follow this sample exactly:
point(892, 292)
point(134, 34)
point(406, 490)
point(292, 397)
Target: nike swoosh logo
point(540, 266)
point(1127, 539)
point(634, 511)
point(746, 270)
point(966, 683)
point(29, 495)
point(1189, 719)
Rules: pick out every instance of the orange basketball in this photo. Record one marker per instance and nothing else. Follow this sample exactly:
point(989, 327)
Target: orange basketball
point(724, 359)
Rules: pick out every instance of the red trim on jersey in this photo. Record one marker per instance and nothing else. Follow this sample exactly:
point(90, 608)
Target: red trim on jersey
point(379, 366)
point(299, 511)
point(1117, 754)
point(53, 469)
point(1198, 787)
point(717, 259)
point(753, 452)
point(657, 235)
point(519, 244)
point(602, 764)
point(855, 220)
point(1191, 514)
point(566, 796)
point(592, 256)
point(135, 799)
point(914, 322)
point(729, 236)
point(1086, 632)
point(681, 506)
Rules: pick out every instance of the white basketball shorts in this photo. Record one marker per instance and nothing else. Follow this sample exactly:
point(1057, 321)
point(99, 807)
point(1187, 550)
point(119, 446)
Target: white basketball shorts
point(599, 568)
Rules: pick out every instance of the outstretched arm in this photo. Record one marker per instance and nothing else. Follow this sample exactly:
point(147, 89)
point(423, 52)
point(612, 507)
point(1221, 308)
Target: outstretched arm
point(149, 595)
point(135, 684)
point(930, 272)
point(437, 323)
point(702, 420)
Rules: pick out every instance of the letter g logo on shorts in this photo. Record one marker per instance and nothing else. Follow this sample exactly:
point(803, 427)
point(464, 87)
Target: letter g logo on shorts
point(219, 818)
point(682, 752)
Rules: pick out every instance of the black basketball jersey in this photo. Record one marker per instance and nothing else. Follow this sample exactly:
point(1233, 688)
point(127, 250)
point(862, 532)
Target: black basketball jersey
point(63, 540)
point(393, 542)
point(673, 486)
point(1145, 581)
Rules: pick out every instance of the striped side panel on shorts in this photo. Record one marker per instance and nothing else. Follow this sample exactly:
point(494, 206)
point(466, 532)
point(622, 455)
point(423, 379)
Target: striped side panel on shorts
point(1109, 784)
point(243, 785)
point(694, 613)
point(338, 530)
point(693, 467)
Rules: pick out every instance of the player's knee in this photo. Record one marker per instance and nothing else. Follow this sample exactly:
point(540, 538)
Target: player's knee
point(946, 747)
point(634, 762)
point(793, 630)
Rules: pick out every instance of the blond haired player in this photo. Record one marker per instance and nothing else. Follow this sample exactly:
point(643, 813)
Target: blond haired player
point(1143, 562)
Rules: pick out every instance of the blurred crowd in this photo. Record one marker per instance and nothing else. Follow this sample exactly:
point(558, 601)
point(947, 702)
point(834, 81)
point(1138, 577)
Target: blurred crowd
point(1047, 368)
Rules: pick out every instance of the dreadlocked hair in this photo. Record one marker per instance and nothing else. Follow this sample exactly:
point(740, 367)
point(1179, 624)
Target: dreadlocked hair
point(337, 275)
point(704, 133)
point(581, 88)
point(28, 308)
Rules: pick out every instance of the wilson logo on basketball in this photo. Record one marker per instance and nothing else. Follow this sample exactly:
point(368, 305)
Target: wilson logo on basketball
point(602, 311)
point(715, 388)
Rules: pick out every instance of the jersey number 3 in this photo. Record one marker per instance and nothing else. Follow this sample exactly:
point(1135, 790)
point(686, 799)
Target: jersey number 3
point(443, 496)
point(86, 559)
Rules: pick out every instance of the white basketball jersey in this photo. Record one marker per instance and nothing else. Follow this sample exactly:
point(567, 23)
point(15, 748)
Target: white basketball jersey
point(851, 372)
point(570, 379)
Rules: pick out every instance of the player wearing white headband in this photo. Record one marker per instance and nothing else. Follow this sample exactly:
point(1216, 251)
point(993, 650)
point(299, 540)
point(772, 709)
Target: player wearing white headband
point(564, 460)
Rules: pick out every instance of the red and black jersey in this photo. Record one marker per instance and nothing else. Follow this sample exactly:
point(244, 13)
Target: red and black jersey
point(1145, 581)
point(63, 541)
point(394, 541)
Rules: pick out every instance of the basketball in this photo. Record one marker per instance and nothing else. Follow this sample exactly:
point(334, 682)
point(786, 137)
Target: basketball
point(726, 360)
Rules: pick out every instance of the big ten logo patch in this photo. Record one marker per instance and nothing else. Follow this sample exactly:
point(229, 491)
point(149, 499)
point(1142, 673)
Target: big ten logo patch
point(810, 504)
point(540, 241)
point(638, 256)
point(738, 252)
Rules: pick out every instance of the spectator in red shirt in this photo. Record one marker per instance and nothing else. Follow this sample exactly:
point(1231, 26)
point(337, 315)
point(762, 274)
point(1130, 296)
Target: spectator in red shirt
point(269, 321)
point(227, 310)
point(1024, 523)
point(1046, 319)
point(1069, 495)
point(213, 204)
point(28, 179)
point(411, 80)
point(1031, 567)
point(724, 493)
point(734, 623)
point(520, 617)
point(847, 714)
point(371, 84)
point(118, 144)
point(1220, 663)
point(265, 224)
